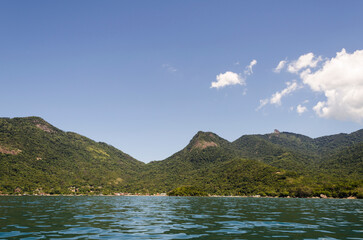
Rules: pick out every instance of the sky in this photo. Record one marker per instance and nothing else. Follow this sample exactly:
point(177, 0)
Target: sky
point(146, 76)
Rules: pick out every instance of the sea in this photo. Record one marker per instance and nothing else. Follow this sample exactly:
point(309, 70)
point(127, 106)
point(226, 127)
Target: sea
point(153, 217)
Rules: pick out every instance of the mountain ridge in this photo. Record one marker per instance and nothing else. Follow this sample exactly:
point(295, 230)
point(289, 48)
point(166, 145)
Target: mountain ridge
point(37, 157)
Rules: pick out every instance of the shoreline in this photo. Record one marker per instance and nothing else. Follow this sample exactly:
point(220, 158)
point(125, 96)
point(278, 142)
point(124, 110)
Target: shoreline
point(162, 195)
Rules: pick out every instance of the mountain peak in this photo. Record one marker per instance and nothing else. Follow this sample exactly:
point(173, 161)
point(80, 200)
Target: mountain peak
point(31, 123)
point(203, 140)
point(205, 134)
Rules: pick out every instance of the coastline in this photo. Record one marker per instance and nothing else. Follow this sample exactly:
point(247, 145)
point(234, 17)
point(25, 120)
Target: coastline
point(165, 195)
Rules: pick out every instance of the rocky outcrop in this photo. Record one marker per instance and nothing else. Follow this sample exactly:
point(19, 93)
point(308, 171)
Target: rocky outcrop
point(9, 151)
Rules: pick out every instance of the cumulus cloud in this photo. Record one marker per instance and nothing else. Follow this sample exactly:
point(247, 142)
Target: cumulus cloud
point(341, 80)
point(301, 109)
point(276, 97)
point(280, 66)
point(231, 78)
point(228, 78)
point(304, 61)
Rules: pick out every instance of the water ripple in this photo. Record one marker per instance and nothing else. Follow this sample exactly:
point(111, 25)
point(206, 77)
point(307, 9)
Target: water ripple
point(179, 218)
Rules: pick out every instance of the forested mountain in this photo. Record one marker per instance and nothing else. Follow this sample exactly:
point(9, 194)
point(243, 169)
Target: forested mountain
point(37, 158)
point(205, 150)
point(276, 150)
point(295, 151)
point(277, 164)
point(346, 162)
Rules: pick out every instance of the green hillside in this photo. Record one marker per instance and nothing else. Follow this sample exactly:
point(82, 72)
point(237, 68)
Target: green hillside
point(252, 165)
point(36, 158)
point(346, 162)
point(204, 150)
point(282, 150)
point(295, 151)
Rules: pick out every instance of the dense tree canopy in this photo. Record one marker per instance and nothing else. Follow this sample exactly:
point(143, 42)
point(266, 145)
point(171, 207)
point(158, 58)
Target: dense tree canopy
point(37, 158)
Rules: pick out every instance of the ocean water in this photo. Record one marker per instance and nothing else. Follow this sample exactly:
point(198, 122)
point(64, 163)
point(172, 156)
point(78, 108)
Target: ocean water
point(120, 217)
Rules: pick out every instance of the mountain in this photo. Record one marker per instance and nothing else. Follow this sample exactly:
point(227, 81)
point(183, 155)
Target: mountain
point(348, 161)
point(204, 150)
point(277, 164)
point(38, 157)
point(282, 150)
point(295, 151)
point(334, 143)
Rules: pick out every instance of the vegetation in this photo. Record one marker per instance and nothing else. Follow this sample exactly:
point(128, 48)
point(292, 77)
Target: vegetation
point(48, 160)
point(37, 158)
point(187, 191)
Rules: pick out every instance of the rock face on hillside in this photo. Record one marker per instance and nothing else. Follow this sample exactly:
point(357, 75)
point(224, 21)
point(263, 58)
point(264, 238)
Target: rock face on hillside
point(204, 144)
point(6, 150)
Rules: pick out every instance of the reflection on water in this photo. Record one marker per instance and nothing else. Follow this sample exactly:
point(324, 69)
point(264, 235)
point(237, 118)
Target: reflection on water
point(123, 217)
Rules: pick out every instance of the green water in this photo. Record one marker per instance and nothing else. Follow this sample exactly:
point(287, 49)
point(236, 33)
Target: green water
point(36, 217)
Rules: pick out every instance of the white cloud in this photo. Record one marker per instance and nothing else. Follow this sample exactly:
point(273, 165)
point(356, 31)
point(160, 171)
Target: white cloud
point(276, 97)
point(169, 67)
point(280, 66)
point(341, 80)
point(304, 61)
point(301, 109)
point(228, 78)
point(248, 70)
point(263, 102)
point(231, 78)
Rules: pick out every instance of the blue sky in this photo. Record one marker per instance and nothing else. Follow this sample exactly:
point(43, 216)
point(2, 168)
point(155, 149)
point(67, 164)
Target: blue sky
point(138, 74)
